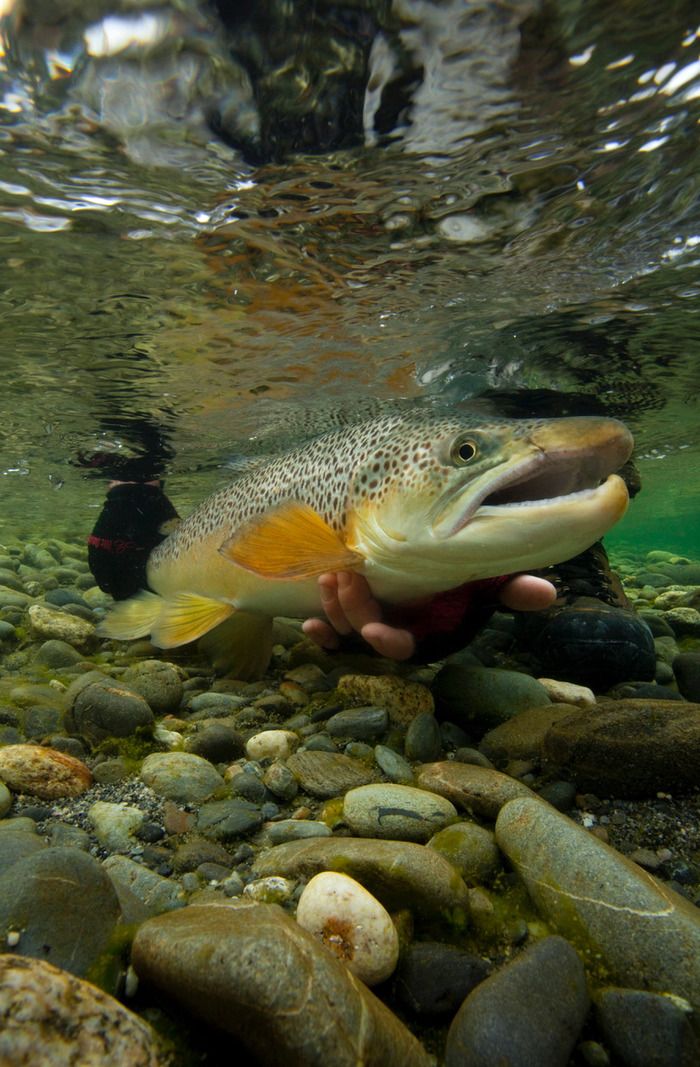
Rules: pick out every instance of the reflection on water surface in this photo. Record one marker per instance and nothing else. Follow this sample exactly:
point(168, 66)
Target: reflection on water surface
point(518, 209)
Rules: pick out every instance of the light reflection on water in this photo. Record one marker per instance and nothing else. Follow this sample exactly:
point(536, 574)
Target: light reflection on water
point(532, 223)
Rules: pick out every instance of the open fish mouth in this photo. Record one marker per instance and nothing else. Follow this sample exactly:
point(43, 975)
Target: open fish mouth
point(546, 478)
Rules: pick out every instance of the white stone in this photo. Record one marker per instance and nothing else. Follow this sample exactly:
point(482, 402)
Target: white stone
point(271, 744)
point(351, 923)
point(568, 693)
point(49, 623)
point(115, 824)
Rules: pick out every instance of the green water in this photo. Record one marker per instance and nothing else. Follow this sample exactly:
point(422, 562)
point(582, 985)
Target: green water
point(532, 222)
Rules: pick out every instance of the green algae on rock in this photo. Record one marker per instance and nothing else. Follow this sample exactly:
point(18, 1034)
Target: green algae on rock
point(628, 926)
point(400, 874)
point(252, 971)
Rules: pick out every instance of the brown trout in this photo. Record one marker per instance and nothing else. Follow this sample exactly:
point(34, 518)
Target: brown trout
point(418, 503)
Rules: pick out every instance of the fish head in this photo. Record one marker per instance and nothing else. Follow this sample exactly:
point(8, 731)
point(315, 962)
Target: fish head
point(468, 500)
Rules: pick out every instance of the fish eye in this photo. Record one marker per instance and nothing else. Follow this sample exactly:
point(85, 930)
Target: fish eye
point(464, 451)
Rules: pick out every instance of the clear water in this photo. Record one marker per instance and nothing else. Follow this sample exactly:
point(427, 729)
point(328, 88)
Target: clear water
point(534, 223)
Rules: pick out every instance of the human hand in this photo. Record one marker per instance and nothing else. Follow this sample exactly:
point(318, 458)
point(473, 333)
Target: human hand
point(350, 607)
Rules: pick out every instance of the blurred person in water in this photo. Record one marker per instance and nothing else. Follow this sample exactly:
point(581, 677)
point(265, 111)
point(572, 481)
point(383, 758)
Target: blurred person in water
point(573, 618)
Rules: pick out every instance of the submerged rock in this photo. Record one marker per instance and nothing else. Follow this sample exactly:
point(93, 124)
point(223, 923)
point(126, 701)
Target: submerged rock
point(401, 699)
point(620, 917)
point(62, 904)
point(434, 978)
point(486, 696)
point(476, 789)
point(180, 776)
point(629, 748)
point(351, 924)
point(253, 972)
point(328, 774)
point(529, 1012)
point(64, 1020)
point(43, 772)
point(399, 873)
point(398, 812)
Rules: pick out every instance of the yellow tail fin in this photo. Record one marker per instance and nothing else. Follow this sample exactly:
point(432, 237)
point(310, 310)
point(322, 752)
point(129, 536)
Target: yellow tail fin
point(132, 618)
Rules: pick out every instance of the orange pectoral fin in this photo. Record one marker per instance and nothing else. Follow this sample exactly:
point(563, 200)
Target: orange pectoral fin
point(291, 542)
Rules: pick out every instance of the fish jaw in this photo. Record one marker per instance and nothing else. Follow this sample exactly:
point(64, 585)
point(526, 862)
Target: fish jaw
point(553, 459)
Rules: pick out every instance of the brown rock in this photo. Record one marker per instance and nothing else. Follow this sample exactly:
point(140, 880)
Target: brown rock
point(43, 772)
point(475, 789)
point(329, 774)
point(253, 972)
point(629, 748)
point(50, 1017)
point(401, 699)
point(522, 737)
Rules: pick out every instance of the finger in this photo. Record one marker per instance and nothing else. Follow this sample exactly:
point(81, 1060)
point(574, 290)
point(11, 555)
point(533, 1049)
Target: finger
point(321, 633)
point(527, 592)
point(328, 591)
point(356, 601)
point(389, 641)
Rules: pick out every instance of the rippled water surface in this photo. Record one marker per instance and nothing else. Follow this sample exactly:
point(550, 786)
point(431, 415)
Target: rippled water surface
point(531, 220)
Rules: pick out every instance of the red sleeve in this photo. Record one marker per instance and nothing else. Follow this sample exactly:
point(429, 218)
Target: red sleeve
point(446, 612)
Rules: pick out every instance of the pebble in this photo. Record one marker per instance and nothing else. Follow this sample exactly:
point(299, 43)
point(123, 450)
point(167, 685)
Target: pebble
point(56, 654)
point(295, 830)
point(475, 789)
point(531, 1011)
point(180, 776)
point(272, 890)
point(568, 692)
point(158, 682)
point(397, 812)
point(227, 819)
point(363, 724)
point(64, 1020)
point(640, 930)
point(216, 742)
point(328, 774)
point(51, 624)
point(5, 799)
point(155, 893)
point(686, 668)
point(646, 1029)
point(115, 824)
point(253, 971)
point(98, 708)
point(522, 737)
point(63, 904)
point(471, 848)
point(401, 874)
point(43, 772)
point(433, 978)
point(423, 742)
point(394, 766)
point(401, 699)
point(271, 744)
point(482, 697)
point(350, 923)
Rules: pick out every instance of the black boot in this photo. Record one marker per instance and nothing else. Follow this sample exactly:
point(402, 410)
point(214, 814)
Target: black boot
point(591, 634)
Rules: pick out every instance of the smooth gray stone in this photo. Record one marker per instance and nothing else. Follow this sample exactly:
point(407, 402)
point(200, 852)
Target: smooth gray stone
point(434, 978)
point(363, 724)
point(296, 830)
point(486, 696)
point(252, 971)
point(618, 916)
point(180, 776)
point(64, 906)
point(395, 767)
point(157, 682)
point(156, 893)
point(527, 1014)
point(227, 819)
point(423, 739)
point(397, 812)
point(400, 874)
point(646, 1029)
point(18, 844)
